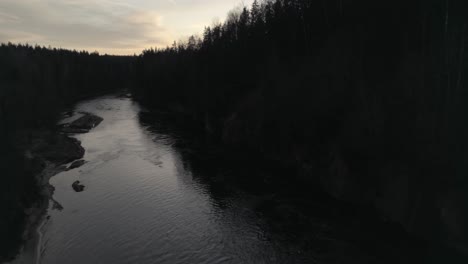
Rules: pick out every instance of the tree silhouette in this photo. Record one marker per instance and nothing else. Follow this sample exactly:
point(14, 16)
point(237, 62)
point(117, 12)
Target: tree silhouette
point(370, 84)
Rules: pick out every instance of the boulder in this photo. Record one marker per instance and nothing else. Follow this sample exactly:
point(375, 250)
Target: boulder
point(77, 186)
point(76, 164)
point(88, 121)
point(82, 124)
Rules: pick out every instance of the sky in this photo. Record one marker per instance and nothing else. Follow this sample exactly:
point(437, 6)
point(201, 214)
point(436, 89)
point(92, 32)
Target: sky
point(121, 27)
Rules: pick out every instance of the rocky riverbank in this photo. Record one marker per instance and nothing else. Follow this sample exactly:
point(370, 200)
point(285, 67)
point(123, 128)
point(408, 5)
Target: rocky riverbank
point(49, 153)
point(81, 125)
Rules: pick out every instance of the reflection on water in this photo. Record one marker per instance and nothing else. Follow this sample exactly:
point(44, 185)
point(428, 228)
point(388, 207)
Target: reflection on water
point(142, 204)
point(151, 198)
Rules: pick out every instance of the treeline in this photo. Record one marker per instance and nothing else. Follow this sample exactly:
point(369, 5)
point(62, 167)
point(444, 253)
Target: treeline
point(366, 98)
point(36, 83)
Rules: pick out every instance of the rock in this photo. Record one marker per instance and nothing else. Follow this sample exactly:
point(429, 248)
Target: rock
point(77, 186)
point(76, 164)
point(70, 130)
point(88, 121)
point(56, 205)
point(82, 124)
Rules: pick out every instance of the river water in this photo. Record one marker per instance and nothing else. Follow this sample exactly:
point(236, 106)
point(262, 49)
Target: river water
point(142, 205)
point(144, 202)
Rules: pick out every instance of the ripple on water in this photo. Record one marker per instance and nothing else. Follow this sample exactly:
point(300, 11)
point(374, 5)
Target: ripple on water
point(142, 205)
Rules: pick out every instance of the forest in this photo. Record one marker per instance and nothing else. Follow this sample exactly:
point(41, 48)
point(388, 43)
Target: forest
point(365, 98)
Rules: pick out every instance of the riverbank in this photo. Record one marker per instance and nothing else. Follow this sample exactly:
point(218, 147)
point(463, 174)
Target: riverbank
point(50, 152)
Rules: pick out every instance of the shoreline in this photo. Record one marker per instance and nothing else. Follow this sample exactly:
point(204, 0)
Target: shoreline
point(36, 216)
point(56, 158)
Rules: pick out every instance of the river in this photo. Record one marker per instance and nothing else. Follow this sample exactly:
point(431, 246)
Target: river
point(144, 203)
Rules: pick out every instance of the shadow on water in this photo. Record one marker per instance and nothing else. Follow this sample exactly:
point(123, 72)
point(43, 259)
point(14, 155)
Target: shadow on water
point(298, 218)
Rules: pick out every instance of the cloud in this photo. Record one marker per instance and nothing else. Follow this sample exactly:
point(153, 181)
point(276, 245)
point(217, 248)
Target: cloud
point(103, 25)
point(108, 26)
point(7, 18)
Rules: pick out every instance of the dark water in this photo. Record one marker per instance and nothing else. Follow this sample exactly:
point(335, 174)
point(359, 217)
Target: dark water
point(144, 203)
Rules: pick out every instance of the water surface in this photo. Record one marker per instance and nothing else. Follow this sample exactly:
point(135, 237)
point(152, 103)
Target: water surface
point(150, 199)
point(142, 205)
